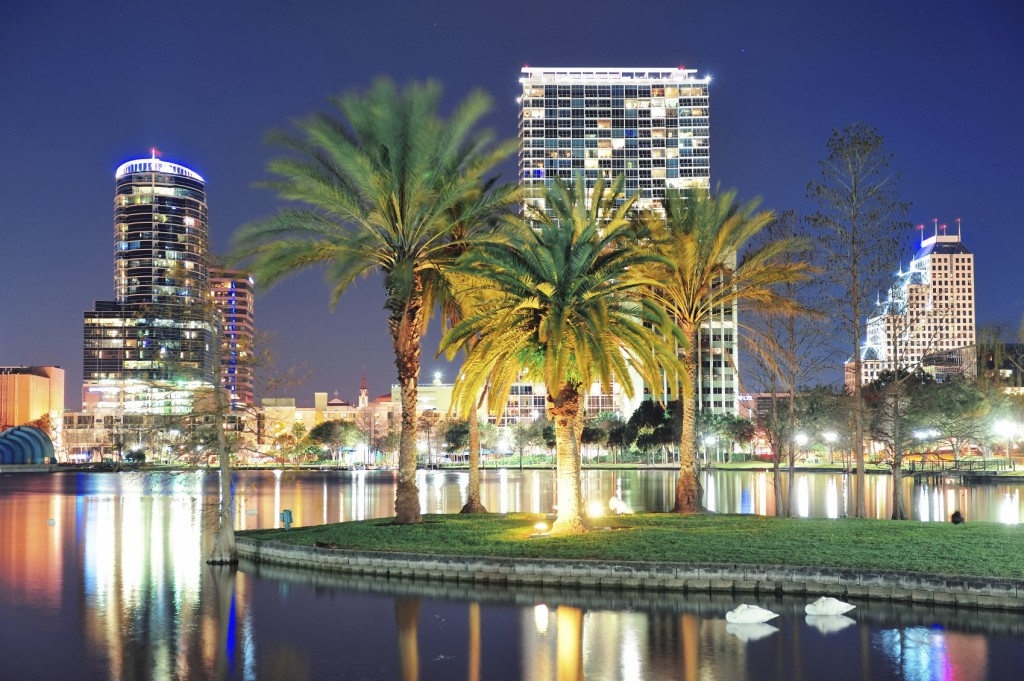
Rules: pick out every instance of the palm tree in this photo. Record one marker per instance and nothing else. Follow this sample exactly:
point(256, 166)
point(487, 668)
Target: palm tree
point(375, 191)
point(456, 301)
point(701, 236)
point(566, 312)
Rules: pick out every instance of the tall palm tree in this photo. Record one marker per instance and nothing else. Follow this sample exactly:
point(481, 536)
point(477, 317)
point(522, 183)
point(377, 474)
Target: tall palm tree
point(566, 312)
point(456, 300)
point(701, 236)
point(373, 191)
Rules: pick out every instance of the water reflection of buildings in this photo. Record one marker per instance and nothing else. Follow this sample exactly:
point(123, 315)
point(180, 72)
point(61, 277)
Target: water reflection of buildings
point(149, 601)
point(926, 653)
point(31, 561)
point(569, 644)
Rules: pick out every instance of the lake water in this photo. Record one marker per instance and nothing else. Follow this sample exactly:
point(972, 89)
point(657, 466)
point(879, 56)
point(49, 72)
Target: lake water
point(102, 576)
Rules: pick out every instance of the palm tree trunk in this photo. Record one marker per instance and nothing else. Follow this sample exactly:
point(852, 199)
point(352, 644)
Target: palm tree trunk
point(473, 503)
point(406, 331)
point(688, 488)
point(563, 409)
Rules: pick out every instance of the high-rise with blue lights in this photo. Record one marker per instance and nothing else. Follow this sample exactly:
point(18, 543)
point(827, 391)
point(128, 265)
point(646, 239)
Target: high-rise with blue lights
point(926, 319)
point(233, 297)
point(151, 348)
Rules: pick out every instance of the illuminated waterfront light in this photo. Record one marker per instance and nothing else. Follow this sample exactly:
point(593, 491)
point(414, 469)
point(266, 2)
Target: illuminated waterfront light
point(540, 617)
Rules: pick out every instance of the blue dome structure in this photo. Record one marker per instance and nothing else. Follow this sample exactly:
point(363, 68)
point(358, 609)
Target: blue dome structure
point(25, 445)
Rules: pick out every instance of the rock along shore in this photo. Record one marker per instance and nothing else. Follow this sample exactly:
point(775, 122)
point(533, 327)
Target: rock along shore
point(970, 592)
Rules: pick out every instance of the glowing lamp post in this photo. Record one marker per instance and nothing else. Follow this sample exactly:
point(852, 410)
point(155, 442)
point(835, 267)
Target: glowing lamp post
point(708, 441)
point(830, 438)
point(1006, 430)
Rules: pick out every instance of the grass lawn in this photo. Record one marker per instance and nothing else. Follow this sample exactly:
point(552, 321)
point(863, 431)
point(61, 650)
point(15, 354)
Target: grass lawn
point(975, 549)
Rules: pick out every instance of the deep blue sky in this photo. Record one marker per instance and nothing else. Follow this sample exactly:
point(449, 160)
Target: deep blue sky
point(87, 86)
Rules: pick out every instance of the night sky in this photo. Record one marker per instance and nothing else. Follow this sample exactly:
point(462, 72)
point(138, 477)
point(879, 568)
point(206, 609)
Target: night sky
point(87, 86)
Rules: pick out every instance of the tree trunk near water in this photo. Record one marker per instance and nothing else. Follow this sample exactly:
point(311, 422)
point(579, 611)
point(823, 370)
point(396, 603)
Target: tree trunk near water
point(405, 333)
point(564, 409)
point(689, 494)
point(224, 551)
point(473, 503)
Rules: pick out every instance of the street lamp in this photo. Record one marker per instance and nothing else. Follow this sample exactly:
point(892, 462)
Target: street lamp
point(801, 440)
point(830, 438)
point(708, 441)
point(1006, 430)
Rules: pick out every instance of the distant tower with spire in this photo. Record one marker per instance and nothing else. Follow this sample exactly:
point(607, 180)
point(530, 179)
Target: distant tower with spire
point(364, 394)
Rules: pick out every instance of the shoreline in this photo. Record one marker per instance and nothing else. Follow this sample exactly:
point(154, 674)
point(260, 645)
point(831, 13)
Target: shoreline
point(980, 475)
point(616, 576)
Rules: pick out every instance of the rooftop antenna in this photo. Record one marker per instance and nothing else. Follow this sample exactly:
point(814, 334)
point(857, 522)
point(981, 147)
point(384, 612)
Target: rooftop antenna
point(958, 228)
point(920, 228)
point(935, 222)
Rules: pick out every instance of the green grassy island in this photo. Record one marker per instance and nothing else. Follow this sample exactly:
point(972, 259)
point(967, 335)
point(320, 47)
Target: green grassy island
point(970, 549)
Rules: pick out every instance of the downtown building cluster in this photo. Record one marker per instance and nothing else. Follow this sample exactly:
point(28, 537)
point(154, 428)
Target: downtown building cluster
point(178, 326)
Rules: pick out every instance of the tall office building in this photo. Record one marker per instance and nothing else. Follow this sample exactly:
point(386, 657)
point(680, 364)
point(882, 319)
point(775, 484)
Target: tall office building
point(649, 124)
point(151, 348)
point(233, 297)
point(927, 317)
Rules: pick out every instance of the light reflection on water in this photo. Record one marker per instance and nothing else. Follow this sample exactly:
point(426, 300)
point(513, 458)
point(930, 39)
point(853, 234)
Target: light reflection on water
point(118, 579)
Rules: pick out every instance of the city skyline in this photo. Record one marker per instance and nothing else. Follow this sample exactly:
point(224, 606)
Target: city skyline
point(937, 83)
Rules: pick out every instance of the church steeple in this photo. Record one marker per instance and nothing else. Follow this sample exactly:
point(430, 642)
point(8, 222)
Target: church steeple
point(364, 393)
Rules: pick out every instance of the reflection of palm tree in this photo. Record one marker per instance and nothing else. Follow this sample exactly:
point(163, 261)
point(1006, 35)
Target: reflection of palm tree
point(690, 625)
point(407, 619)
point(570, 643)
point(380, 185)
point(566, 311)
point(700, 237)
point(474, 642)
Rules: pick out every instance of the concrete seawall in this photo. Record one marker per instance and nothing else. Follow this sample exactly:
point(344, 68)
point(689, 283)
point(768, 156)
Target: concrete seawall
point(971, 592)
point(27, 468)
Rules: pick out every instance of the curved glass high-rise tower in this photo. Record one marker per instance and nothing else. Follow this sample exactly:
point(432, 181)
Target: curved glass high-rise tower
point(152, 347)
point(160, 234)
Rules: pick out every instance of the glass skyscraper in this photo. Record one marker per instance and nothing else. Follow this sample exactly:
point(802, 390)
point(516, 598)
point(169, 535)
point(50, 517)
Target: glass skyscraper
point(152, 347)
point(233, 294)
point(649, 124)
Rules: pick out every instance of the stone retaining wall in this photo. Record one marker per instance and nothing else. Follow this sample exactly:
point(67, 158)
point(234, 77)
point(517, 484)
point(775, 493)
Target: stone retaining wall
point(973, 592)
